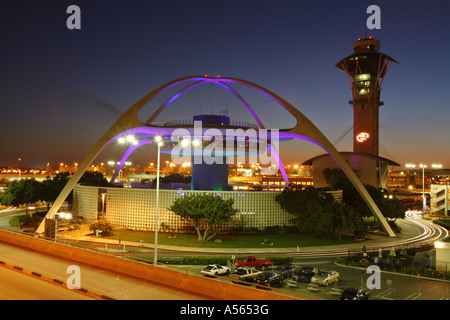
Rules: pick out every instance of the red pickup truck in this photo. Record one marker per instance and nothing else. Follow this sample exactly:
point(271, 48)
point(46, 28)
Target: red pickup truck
point(253, 262)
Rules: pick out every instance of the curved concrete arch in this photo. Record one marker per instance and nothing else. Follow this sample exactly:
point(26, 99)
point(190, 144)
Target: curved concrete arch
point(172, 99)
point(304, 129)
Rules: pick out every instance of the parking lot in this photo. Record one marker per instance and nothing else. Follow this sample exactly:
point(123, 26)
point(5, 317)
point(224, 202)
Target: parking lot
point(392, 286)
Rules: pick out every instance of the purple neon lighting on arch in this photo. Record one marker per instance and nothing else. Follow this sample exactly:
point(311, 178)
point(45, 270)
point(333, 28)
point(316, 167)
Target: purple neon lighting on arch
point(125, 157)
point(274, 152)
point(256, 88)
point(249, 108)
point(152, 132)
point(161, 131)
point(172, 99)
point(201, 82)
point(290, 135)
point(203, 79)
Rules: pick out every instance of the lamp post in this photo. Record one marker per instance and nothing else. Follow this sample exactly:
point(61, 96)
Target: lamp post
point(423, 166)
point(159, 143)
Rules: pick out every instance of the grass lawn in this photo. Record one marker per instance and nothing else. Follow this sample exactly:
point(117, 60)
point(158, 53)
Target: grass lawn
point(286, 240)
point(15, 222)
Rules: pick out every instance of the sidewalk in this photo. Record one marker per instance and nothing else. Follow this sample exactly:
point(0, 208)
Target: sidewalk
point(409, 230)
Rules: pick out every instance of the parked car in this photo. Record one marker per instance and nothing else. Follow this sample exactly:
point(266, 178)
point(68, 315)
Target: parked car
point(285, 271)
point(304, 274)
point(325, 277)
point(354, 294)
point(244, 274)
point(215, 270)
point(253, 262)
point(268, 279)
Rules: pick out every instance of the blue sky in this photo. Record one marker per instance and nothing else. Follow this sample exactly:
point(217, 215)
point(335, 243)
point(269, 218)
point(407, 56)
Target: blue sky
point(62, 89)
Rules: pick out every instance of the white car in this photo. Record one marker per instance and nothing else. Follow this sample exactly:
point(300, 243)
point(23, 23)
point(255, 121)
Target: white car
point(215, 270)
point(324, 278)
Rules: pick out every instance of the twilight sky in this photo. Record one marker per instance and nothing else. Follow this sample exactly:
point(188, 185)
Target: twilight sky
point(62, 89)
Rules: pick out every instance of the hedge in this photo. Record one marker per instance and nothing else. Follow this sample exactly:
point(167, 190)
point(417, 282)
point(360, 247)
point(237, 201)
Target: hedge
point(443, 222)
point(205, 260)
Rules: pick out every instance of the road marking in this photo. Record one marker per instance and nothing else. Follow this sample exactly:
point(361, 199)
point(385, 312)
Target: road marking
point(384, 294)
point(413, 296)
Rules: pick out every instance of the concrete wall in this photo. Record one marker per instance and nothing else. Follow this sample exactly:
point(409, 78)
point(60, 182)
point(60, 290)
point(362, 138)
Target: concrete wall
point(443, 256)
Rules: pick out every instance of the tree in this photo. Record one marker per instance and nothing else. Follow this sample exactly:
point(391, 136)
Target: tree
point(176, 177)
point(316, 218)
point(52, 187)
point(316, 212)
point(343, 217)
point(102, 225)
point(204, 212)
point(391, 208)
point(95, 179)
point(24, 191)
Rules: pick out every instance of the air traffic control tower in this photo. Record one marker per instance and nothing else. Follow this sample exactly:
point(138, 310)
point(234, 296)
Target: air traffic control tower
point(366, 70)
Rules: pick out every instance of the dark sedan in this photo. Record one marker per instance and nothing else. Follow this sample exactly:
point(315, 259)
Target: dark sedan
point(305, 274)
point(284, 271)
point(268, 279)
point(354, 294)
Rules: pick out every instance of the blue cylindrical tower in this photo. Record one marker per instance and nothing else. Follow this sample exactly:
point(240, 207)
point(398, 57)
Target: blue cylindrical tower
point(211, 176)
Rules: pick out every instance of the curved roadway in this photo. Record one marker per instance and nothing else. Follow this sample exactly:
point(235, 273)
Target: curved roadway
point(416, 231)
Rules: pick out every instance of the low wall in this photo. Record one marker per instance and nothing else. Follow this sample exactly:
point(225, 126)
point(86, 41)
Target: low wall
point(443, 256)
point(210, 288)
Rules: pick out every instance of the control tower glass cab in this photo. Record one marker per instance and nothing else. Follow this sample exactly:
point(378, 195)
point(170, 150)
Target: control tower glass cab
point(366, 69)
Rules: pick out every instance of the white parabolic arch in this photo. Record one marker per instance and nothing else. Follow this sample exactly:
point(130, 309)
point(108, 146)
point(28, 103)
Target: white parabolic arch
point(304, 129)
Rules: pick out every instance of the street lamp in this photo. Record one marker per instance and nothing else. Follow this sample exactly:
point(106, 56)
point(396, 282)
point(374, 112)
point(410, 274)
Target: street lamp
point(423, 166)
point(159, 143)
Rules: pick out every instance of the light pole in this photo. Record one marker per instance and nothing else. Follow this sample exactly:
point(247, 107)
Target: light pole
point(423, 166)
point(159, 143)
point(20, 168)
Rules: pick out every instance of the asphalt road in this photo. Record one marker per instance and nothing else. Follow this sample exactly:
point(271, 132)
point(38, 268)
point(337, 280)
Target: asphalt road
point(393, 286)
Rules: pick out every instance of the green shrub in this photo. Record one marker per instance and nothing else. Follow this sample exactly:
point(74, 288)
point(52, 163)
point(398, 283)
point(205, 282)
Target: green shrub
point(205, 260)
point(443, 222)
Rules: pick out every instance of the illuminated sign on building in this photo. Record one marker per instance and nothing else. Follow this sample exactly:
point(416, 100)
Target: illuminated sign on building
point(362, 137)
